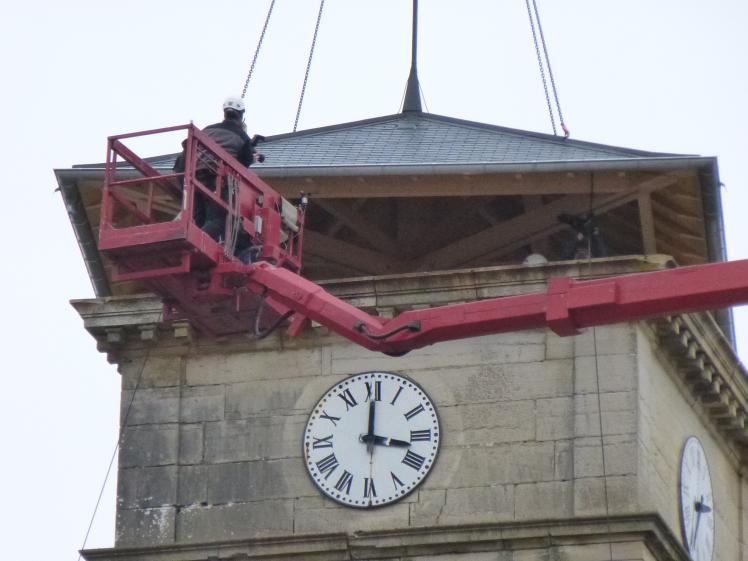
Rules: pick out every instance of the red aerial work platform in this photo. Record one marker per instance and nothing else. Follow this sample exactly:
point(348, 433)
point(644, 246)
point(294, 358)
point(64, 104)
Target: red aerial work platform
point(149, 233)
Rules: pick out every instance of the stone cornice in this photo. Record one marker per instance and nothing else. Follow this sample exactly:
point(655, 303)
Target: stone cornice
point(711, 370)
point(647, 529)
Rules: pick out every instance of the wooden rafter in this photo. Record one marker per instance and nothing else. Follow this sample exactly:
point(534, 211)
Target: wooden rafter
point(347, 214)
point(349, 255)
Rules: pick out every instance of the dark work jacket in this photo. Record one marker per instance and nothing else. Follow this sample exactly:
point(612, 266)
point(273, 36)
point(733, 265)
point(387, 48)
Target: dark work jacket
point(230, 135)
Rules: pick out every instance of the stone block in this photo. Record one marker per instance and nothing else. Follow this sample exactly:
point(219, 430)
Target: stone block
point(619, 414)
point(558, 347)
point(543, 500)
point(254, 439)
point(193, 485)
point(145, 527)
point(334, 518)
point(191, 443)
point(489, 423)
point(613, 373)
point(214, 369)
point(564, 463)
point(512, 382)
point(493, 349)
point(478, 504)
point(149, 445)
point(264, 397)
point(139, 488)
point(203, 403)
point(235, 521)
point(150, 406)
point(620, 456)
point(554, 418)
point(591, 494)
point(617, 338)
point(429, 507)
point(259, 480)
point(496, 465)
point(157, 371)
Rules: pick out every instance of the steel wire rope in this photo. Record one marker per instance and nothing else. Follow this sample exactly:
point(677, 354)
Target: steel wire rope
point(540, 66)
point(116, 449)
point(550, 71)
point(308, 64)
point(257, 50)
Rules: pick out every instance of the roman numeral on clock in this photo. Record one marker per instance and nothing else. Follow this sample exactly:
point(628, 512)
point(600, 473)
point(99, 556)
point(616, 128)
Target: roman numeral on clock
point(420, 435)
point(369, 489)
point(413, 460)
point(332, 419)
point(413, 412)
point(377, 387)
point(326, 442)
point(327, 465)
point(396, 481)
point(348, 398)
point(345, 482)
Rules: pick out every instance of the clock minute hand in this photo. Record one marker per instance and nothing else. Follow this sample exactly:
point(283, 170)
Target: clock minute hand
point(370, 434)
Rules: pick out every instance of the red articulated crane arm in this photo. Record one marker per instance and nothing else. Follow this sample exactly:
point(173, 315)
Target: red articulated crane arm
point(566, 307)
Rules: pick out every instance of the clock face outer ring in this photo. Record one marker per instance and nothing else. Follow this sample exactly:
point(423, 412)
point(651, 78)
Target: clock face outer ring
point(394, 378)
point(693, 442)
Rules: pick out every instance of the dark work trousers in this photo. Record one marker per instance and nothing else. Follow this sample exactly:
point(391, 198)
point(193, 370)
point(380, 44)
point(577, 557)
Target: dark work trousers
point(214, 223)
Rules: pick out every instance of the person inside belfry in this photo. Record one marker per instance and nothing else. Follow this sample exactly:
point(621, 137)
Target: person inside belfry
point(231, 135)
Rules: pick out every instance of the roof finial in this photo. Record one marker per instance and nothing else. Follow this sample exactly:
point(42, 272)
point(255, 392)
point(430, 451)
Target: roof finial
point(412, 100)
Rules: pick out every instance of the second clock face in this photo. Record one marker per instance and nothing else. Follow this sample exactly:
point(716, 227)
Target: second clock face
point(371, 439)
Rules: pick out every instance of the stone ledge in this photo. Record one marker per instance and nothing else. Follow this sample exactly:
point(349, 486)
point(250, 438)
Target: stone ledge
point(709, 367)
point(648, 530)
point(137, 320)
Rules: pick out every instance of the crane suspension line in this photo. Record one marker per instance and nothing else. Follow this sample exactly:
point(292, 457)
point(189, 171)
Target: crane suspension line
point(257, 50)
point(543, 64)
point(308, 64)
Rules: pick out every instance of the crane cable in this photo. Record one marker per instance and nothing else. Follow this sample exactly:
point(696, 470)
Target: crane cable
point(257, 50)
point(308, 64)
point(533, 20)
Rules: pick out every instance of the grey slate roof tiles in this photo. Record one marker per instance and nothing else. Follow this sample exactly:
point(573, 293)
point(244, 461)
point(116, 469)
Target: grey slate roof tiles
point(415, 138)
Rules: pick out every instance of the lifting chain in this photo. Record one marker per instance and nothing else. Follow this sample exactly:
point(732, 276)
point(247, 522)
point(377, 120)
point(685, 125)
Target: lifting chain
point(308, 64)
point(257, 50)
point(542, 68)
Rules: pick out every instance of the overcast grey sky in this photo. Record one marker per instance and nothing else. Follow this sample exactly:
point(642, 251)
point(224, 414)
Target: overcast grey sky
point(666, 75)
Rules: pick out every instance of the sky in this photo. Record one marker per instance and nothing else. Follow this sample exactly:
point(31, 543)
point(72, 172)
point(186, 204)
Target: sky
point(663, 76)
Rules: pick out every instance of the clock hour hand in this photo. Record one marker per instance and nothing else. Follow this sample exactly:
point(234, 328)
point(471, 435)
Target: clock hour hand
point(383, 441)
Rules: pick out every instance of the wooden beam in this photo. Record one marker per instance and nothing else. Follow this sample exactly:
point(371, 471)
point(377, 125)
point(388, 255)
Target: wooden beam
point(346, 214)
point(458, 185)
point(541, 245)
point(536, 224)
point(646, 220)
point(349, 255)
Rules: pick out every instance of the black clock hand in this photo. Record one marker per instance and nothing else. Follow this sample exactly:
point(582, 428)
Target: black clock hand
point(370, 435)
point(699, 507)
point(383, 441)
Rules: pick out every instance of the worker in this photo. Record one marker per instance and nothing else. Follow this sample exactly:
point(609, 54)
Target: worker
point(232, 137)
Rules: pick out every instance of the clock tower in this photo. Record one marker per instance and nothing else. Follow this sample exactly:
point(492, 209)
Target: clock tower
point(622, 442)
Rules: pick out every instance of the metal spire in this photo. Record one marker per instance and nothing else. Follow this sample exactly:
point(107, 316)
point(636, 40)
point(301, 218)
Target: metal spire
point(412, 100)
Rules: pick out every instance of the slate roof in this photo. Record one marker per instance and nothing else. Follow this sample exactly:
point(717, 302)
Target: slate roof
point(417, 139)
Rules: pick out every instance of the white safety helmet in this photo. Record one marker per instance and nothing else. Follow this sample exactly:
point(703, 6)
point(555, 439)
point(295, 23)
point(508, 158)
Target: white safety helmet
point(235, 103)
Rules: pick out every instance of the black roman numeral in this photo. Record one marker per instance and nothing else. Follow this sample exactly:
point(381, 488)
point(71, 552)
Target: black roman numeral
point(396, 481)
point(344, 483)
point(413, 412)
point(394, 399)
point(369, 489)
point(420, 435)
point(413, 460)
point(326, 441)
point(377, 387)
point(327, 465)
point(348, 398)
point(329, 418)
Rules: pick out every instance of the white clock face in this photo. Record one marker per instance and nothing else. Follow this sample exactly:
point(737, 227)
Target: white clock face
point(371, 439)
point(696, 501)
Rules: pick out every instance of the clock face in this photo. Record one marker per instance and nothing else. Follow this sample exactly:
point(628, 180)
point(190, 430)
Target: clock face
point(371, 439)
point(696, 501)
